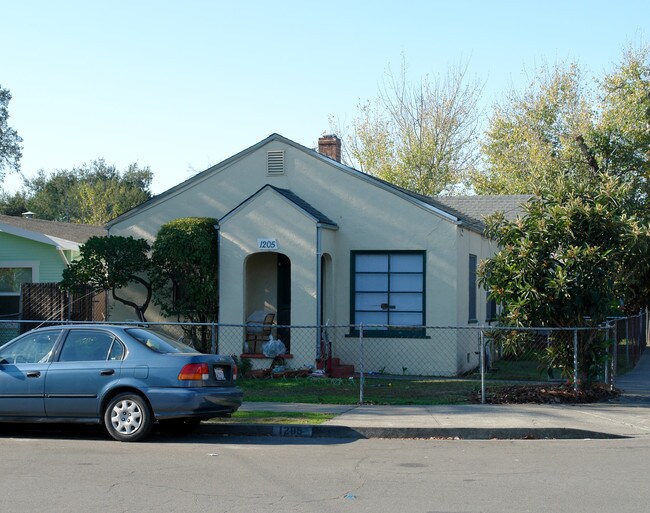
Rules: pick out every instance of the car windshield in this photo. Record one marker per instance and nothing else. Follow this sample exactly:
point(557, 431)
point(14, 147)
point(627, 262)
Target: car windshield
point(159, 342)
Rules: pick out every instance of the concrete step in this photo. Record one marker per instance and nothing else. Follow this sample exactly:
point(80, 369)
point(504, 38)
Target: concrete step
point(342, 371)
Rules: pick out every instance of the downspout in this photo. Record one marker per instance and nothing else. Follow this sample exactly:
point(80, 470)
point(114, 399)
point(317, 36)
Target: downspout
point(218, 231)
point(215, 342)
point(319, 288)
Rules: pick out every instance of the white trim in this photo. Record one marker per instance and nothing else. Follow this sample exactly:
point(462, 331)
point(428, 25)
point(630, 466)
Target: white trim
point(40, 237)
point(34, 265)
point(262, 191)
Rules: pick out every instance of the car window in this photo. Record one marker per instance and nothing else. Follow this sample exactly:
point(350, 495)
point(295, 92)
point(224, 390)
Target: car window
point(86, 346)
point(117, 351)
point(159, 342)
point(31, 348)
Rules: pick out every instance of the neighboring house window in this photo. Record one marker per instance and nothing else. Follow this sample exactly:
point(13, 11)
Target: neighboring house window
point(388, 290)
point(11, 280)
point(472, 288)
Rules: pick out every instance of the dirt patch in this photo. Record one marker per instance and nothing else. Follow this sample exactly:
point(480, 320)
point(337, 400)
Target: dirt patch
point(548, 394)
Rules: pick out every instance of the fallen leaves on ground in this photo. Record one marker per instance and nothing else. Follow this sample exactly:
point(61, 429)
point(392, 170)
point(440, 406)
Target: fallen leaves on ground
point(548, 394)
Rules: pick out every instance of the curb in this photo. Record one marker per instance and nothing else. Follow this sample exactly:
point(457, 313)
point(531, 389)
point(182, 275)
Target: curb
point(357, 433)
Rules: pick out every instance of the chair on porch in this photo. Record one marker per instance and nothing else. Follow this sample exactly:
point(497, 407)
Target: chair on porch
point(258, 330)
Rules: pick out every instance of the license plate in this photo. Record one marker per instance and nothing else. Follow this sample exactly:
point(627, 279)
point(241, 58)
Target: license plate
point(219, 374)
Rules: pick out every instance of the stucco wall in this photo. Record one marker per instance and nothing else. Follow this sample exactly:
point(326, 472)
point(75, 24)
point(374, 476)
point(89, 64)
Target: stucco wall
point(268, 216)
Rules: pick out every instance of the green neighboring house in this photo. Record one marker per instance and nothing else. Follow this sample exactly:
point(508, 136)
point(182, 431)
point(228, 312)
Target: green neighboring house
point(35, 251)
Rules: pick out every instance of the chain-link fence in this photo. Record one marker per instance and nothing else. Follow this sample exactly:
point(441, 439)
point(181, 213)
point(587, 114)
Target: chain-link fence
point(487, 356)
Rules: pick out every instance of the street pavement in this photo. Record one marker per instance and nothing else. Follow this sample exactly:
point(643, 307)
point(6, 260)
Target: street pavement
point(628, 416)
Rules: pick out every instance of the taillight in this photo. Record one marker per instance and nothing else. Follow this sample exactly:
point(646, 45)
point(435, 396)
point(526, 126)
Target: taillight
point(194, 372)
point(234, 372)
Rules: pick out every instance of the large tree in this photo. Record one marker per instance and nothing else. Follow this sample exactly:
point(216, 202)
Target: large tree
point(184, 274)
point(565, 126)
point(93, 193)
point(13, 204)
point(620, 143)
point(577, 251)
point(10, 148)
point(418, 135)
point(531, 137)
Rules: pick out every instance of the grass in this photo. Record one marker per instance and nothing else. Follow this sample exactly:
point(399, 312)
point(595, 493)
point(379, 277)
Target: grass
point(271, 417)
point(519, 370)
point(346, 391)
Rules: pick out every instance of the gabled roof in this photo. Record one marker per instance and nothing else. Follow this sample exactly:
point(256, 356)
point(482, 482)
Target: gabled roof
point(63, 235)
point(458, 212)
point(429, 204)
point(293, 199)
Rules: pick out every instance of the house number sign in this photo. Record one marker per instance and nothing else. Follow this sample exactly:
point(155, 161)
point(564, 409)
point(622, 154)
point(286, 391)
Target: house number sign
point(267, 244)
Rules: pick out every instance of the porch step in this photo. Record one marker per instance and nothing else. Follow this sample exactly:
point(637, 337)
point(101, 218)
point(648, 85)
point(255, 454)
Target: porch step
point(341, 370)
point(337, 369)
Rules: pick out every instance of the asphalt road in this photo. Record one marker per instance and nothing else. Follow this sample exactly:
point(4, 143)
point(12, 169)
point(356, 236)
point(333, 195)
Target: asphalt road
point(55, 471)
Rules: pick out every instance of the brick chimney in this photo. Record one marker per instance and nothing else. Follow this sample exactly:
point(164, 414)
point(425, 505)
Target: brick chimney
point(330, 145)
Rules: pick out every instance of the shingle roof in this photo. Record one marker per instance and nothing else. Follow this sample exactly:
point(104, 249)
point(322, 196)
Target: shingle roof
point(298, 201)
point(479, 207)
point(79, 233)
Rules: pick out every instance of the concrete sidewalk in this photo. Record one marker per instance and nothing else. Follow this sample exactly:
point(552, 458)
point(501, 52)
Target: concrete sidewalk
point(627, 417)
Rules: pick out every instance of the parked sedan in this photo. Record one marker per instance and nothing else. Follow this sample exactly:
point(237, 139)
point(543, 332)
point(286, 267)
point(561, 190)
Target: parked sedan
point(126, 377)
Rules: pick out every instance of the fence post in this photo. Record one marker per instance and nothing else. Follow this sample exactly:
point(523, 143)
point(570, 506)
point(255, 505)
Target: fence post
point(608, 358)
point(614, 361)
point(361, 378)
point(213, 344)
point(482, 360)
point(575, 361)
point(627, 341)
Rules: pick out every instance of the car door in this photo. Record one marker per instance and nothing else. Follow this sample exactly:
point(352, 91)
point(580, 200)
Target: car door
point(23, 368)
point(89, 362)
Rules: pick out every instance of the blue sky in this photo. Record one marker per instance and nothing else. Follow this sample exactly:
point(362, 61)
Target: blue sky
point(180, 86)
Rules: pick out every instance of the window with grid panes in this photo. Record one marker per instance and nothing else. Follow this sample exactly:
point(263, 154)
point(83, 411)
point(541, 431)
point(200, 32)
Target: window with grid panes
point(388, 290)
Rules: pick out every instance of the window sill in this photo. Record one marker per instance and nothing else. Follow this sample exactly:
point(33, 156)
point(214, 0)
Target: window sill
point(258, 356)
point(413, 333)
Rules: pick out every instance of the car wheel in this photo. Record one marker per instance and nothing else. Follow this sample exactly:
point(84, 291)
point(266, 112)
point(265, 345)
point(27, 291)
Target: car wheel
point(128, 418)
point(179, 426)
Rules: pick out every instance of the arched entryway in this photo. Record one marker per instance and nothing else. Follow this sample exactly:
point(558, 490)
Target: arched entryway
point(268, 289)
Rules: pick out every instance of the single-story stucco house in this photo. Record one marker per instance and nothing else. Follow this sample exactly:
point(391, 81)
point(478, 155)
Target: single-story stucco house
point(314, 241)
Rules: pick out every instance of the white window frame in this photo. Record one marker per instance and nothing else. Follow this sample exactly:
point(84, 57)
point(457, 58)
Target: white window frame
point(34, 265)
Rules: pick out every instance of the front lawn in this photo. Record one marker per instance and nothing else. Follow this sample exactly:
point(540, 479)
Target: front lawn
point(346, 391)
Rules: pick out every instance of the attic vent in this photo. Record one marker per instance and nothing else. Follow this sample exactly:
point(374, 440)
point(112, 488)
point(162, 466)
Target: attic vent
point(275, 162)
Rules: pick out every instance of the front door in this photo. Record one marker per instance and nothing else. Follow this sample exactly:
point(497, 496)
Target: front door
point(284, 299)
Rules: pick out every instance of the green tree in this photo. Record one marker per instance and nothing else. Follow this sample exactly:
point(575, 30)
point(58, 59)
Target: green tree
point(94, 193)
point(184, 274)
point(13, 204)
point(420, 136)
point(531, 141)
point(575, 253)
point(620, 143)
point(10, 148)
point(112, 263)
point(564, 126)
